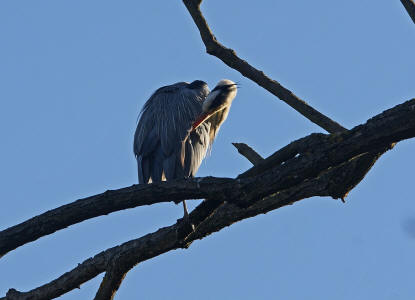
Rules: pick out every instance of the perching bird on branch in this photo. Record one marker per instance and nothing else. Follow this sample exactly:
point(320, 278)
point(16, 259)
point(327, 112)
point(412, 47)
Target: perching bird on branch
point(177, 126)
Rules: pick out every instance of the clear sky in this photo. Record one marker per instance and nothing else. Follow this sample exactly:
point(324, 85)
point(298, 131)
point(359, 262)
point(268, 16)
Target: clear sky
point(74, 75)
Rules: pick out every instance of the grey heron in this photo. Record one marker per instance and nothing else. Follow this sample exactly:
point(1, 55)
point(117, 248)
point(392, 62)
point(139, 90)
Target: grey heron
point(177, 126)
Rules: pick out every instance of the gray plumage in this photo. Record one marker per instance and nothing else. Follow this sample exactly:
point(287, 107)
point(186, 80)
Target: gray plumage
point(164, 145)
point(177, 126)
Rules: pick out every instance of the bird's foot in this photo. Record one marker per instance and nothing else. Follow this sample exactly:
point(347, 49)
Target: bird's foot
point(186, 219)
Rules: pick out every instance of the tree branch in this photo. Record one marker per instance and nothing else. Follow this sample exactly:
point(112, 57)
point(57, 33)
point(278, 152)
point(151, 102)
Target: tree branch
point(229, 57)
point(112, 279)
point(103, 204)
point(327, 167)
point(410, 8)
point(161, 241)
point(248, 153)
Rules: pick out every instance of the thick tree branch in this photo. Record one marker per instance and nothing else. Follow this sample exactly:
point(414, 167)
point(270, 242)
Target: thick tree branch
point(410, 8)
point(105, 203)
point(229, 57)
point(163, 240)
point(326, 165)
point(137, 195)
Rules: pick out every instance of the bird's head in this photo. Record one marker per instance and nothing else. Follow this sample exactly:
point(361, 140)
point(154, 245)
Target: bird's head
point(219, 98)
point(200, 87)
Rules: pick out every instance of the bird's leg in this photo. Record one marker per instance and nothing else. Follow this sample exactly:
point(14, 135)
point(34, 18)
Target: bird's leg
point(186, 216)
point(186, 213)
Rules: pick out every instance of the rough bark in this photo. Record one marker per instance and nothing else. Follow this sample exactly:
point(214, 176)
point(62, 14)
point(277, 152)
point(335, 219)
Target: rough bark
point(103, 204)
point(115, 274)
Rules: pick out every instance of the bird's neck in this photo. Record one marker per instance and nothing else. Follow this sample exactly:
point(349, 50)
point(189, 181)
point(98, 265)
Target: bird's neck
point(216, 121)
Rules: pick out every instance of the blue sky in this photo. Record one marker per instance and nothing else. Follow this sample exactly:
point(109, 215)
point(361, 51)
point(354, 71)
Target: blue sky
point(74, 75)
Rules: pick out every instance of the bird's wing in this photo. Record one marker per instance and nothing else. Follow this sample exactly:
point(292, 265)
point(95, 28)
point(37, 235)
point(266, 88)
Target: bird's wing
point(195, 149)
point(160, 137)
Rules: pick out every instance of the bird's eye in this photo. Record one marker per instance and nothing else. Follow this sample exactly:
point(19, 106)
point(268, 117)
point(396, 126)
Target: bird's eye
point(230, 87)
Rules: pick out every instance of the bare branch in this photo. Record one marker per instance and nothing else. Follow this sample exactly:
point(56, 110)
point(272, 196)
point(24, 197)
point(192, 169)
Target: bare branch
point(136, 195)
point(90, 268)
point(248, 152)
point(229, 57)
point(112, 279)
point(410, 8)
point(291, 150)
point(226, 215)
point(163, 240)
point(103, 204)
point(330, 166)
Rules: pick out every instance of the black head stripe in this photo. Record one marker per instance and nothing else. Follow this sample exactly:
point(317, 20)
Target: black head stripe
point(225, 87)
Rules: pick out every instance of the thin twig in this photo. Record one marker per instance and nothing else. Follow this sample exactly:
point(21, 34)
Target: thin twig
point(229, 57)
point(249, 153)
point(282, 155)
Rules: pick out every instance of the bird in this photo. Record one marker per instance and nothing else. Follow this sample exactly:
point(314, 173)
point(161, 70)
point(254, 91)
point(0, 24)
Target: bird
point(177, 125)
